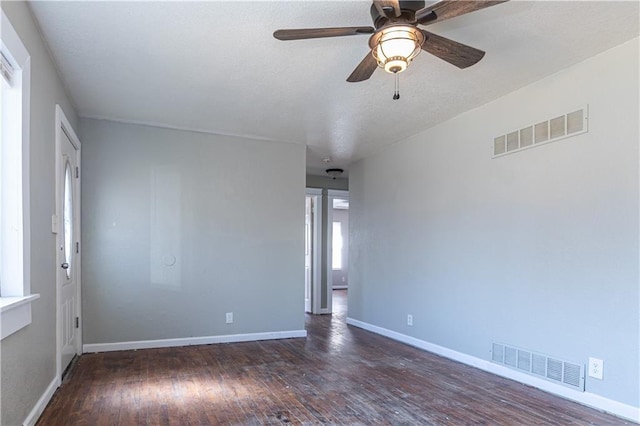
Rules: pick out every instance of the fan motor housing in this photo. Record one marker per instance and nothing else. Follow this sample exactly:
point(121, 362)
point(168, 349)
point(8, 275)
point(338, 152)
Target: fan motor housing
point(408, 10)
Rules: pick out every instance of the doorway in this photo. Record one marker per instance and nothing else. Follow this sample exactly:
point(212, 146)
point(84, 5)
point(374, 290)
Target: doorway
point(313, 245)
point(308, 252)
point(66, 225)
point(337, 248)
point(340, 244)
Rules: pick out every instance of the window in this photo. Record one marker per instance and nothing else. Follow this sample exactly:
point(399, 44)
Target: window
point(67, 218)
point(15, 297)
point(336, 254)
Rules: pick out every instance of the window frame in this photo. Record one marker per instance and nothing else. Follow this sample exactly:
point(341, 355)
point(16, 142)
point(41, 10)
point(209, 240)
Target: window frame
point(15, 285)
point(336, 255)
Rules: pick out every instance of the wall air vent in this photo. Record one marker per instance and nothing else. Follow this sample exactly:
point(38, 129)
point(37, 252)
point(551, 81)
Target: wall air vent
point(551, 130)
point(553, 369)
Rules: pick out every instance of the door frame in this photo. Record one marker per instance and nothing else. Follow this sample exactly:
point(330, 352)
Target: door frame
point(316, 247)
point(64, 127)
point(308, 253)
point(331, 194)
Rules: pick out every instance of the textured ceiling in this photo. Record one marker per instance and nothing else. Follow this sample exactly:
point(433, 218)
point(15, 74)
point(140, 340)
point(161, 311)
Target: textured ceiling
point(215, 67)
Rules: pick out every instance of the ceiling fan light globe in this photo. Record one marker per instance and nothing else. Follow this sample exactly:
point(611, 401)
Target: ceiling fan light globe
point(395, 47)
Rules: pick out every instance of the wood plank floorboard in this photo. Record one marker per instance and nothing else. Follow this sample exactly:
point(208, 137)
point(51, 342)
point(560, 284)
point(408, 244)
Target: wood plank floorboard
point(338, 375)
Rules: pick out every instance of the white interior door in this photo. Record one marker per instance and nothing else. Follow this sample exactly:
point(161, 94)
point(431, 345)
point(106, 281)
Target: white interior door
point(68, 218)
point(308, 252)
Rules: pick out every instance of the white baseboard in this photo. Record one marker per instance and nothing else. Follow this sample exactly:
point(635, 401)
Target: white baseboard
point(188, 341)
point(616, 408)
point(37, 410)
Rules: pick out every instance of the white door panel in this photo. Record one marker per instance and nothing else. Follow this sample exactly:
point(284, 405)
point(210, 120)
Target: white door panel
point(68, 213)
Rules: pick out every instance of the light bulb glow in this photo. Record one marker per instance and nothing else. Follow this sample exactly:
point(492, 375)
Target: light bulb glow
point(395, 47)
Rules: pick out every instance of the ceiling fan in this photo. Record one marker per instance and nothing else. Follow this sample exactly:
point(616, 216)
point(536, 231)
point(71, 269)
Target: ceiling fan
point(396, 39)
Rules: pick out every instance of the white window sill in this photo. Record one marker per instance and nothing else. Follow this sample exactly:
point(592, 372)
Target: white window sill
point(15, 313)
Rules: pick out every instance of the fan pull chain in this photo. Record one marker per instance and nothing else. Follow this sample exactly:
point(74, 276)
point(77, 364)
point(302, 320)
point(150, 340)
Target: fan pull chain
point(396, 94)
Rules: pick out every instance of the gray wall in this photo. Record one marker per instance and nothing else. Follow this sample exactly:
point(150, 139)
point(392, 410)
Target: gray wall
point(29, 356)
point(537, 249)
point(229, 212)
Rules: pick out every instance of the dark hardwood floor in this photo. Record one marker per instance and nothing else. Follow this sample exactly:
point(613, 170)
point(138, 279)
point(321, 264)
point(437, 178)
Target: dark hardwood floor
point(337, 375)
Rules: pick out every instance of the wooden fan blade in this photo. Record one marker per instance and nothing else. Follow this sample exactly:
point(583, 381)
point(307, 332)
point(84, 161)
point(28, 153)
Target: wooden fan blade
point(447, 9)
point(458, 54)
point(384, 6)
point(364, 70)
point(305, 33)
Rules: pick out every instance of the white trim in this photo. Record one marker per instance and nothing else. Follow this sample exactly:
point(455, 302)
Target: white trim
point(328, 252)
point(26, 176)
point(189, 341)
point(16, 313)
point(9, 303)
point(611, 406)
point(316, 274)
point(62, 124)
point(16, 246)
point(37, 410)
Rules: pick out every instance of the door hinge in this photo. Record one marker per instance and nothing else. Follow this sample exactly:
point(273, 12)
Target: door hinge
point(77, 322)
point(77, 247)
point(77, 172)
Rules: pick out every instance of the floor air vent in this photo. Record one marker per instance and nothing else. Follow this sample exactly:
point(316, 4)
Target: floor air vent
point(553, 369)
point(551, 130)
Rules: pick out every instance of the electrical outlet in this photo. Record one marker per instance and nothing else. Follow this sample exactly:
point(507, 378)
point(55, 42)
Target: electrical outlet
point(229, 317)
point(409, 319)
point(596, 367)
